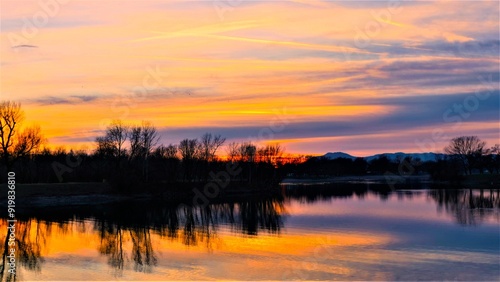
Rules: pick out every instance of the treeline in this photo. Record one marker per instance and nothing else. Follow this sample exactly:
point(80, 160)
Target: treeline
point(466, 155)
point(325, 167)
point(129, 157)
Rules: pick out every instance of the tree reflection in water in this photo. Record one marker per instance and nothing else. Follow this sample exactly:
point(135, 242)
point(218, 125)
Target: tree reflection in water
point(30, 238)
point(190, 225)
point(125, 230)
point(469, 207)
point(111, 243)
point(142, 249)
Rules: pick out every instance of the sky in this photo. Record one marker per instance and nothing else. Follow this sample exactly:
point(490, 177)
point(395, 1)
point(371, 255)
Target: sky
point(362, 77)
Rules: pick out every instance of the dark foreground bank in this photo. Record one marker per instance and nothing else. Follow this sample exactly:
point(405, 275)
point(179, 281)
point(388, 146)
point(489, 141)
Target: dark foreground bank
point(202, 193)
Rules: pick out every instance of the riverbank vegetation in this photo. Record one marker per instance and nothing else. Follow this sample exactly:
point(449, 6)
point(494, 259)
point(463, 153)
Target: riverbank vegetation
point(131, 157)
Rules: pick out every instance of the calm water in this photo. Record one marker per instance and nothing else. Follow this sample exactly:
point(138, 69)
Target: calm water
point(312, 233)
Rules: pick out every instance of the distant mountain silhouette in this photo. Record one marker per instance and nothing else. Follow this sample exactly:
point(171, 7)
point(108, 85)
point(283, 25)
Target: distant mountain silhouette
point(391, 156)
point(338, 155)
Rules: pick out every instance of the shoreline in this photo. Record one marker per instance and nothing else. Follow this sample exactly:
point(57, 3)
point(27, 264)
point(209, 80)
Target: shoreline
point(356, 179)
point(39, 195)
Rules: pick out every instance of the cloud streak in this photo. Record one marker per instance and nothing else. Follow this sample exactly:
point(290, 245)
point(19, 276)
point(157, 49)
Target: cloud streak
point(71, 100)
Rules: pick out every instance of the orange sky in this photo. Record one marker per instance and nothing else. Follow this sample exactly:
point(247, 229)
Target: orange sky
point(317, 76)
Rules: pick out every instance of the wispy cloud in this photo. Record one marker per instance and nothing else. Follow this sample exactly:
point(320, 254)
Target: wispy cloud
point(71, 100)
point(25, 46)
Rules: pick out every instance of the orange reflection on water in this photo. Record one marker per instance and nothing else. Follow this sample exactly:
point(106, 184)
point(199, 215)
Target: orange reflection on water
point(43, 245)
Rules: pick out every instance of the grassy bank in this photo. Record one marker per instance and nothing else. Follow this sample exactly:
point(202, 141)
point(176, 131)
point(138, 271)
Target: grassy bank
point(95, 193)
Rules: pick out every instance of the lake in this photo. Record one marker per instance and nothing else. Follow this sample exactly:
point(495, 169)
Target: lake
point(311, 232)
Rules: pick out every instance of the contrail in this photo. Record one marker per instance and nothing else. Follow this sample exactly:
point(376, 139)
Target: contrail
point(330, 48)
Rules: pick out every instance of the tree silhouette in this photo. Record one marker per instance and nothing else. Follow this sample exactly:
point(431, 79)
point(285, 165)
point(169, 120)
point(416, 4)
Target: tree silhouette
point(209, 145)
point(247, 153)
point(113, 142)
point(232, 150)
point(167, 152)
point(142, 141)
point(467, 149)
point(270, 153)
point(16, 143)
point(494, 159)
point(189, 150)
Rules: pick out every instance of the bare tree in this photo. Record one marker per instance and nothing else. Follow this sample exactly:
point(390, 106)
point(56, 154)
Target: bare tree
point(103, 147)
point(495, 149)
point(171, 152)
point(270, 153)
point(29, 140)
point(467, 149)
point(117, 133)
point(15, 142)
point(142, 141)
point(495, 158)
point(149, 137)
point(135, 142)
point(247, 152)
point(209, 145)
point(189, 149)
point(112, 144)
point(232, 151)
point(167, 152)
